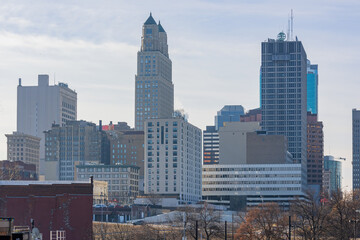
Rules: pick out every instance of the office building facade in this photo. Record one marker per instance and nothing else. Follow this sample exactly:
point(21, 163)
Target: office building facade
point(253, 115)
point(210, 145)
point(173, 159)
point(122, 180)
point(154, 90)
point(38, 107)
point(23, 147)
point(356, 148)
point(315, 150)
point(77, 142)
point(238, 186)
point(284, 93)
point(312, 87)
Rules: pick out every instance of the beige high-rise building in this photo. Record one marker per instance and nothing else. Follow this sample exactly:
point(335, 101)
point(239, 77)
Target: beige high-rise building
point(154, 90)
point(23, 147)
point(38, 107)
point(173, 159)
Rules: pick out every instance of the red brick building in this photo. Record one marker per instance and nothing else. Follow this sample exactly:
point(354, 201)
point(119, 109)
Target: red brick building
point(315, 150)
point(53, 205)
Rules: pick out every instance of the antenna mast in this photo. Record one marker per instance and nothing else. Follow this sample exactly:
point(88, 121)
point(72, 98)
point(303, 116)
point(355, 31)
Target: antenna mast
point(292, 25)
point(288, 30)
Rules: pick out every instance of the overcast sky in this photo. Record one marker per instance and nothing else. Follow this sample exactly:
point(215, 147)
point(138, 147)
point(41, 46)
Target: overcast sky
point(214, 47)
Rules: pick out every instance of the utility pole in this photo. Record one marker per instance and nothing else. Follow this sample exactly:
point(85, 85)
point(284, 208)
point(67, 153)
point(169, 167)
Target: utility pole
point(232, 226)
point(225, 230)
point(196, 231)
point(289, 227)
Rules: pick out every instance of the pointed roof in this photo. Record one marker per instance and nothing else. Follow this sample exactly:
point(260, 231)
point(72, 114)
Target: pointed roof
point(161, 29)
point(150, 20)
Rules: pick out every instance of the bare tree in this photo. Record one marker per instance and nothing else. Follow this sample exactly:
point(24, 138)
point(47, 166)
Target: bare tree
point(10, 171)
point(265, 221)
point(206, 219)
point(311, 217)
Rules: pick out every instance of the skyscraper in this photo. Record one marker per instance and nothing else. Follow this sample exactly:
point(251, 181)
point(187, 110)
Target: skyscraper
point(312, 87)
point(356, 148)
point(315, 150)
point(229, 113)
point(333, 167)
point(173, 159)
point(154, 90)
point(283, 93)
point(38, 107)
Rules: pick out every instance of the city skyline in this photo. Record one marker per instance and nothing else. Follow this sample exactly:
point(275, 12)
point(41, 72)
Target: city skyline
point(220, 62)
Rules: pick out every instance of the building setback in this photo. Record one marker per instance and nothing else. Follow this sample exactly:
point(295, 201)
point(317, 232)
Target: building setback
point(173, 159)
point(38, 107)
point(77, 142)
point(154, 90)
point(23, 147)
point(284, 93)
point(356, 148)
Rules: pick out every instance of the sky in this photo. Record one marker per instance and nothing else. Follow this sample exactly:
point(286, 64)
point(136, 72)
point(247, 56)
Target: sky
point(214, 47)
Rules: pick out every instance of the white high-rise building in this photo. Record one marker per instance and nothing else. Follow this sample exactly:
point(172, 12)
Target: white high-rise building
point(38, 107)
point(173, 159)
point(154, 90)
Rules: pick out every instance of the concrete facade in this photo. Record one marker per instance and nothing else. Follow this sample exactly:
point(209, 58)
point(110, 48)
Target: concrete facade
point(269, 149)
point(173, 159)
point(23, 147)
point(246, 185)
point(232, 137)
point(38, 107)
point(154, 90)
point(122, 180)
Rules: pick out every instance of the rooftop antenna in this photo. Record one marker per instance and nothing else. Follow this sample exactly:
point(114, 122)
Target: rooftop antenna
point(292, 24)
point(54, 78)
point(288, 30)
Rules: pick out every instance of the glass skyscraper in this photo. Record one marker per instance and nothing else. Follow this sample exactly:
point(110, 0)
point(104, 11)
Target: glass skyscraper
point(154, 90)
point(334, 168)
point(229, 113)
point(284, 93)
point(356, 148)
point(312, 87)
